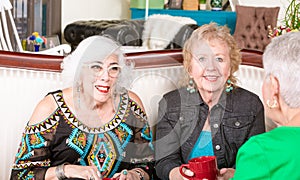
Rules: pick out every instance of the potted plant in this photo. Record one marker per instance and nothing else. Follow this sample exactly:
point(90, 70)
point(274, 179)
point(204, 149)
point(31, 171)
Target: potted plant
point(202, 4)
point(292, 15)
point(291, 21)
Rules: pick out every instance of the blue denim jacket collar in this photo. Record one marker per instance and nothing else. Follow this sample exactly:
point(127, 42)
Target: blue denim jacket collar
point(195, 99)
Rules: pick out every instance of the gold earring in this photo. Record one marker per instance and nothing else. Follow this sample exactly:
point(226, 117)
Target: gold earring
point(273, 105)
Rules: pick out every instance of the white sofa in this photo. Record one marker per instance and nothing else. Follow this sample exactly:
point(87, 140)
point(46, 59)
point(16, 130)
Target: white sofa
point(21, 90)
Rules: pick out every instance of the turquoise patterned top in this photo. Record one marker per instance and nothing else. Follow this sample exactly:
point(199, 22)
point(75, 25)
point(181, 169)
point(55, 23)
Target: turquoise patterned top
point(123, 143)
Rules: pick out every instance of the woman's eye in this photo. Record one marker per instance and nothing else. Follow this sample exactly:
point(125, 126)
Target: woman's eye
point(201, 59)
point(219, 59)
point(96, 67)
point(115, 68)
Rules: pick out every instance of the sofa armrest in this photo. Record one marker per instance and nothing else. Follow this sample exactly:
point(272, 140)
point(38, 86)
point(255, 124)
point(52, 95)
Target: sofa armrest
point(184, 33)
point(127, 32)
point(124, 34)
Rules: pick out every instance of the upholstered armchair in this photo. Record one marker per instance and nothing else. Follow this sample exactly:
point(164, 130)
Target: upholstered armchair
point(251, 31)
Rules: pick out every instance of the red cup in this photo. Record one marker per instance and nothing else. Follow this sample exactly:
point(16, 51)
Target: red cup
point(204, 167)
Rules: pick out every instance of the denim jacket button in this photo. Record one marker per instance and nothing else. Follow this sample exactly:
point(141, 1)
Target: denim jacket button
point(216, 125)
point(218, 147)
point(180, 118)
point(237, 123)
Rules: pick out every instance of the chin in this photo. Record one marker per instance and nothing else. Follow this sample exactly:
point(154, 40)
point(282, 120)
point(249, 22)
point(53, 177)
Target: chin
point(213, 89)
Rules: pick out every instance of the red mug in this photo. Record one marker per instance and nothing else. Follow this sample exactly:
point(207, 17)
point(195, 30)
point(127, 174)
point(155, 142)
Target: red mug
point(204, 167)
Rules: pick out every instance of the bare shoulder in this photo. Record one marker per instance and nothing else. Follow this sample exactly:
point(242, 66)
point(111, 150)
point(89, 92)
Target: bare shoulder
point(137, 99)
point(43, 110)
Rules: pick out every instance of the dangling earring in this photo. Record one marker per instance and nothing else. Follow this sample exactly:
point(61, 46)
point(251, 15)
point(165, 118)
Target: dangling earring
point(273, 105)
point(78, 90)
point(191, 87)
point(229, 86)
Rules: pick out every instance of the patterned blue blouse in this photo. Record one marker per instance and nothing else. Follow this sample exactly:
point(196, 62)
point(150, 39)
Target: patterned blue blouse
point(123, 143)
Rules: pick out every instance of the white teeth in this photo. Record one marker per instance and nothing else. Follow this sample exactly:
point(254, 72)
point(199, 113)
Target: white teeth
point(102, 88)
point(211, 78)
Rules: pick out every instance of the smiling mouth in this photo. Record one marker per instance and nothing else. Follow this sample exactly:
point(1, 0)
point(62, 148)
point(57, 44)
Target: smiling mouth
point(103, 89)
point(211, 78)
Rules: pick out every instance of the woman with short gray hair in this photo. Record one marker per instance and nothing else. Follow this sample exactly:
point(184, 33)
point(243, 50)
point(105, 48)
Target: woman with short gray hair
point(275, 154)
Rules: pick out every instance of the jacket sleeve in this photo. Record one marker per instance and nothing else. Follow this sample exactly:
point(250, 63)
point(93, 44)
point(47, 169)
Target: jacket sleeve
point(167, 144)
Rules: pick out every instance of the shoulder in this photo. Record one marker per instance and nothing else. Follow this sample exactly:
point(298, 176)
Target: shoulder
point(244, 92)
point(43, 109)
point(177, 98)
point(176, 94)
point(133, 96)
point(246, 96)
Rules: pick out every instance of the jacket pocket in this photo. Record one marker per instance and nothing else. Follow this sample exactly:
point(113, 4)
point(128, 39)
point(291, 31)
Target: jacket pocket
point(182, 115)
point(236, 129)
point(185, 121)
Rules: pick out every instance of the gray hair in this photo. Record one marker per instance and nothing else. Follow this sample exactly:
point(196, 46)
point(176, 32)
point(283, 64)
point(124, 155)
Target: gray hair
point(91, 49)
point(282, 59)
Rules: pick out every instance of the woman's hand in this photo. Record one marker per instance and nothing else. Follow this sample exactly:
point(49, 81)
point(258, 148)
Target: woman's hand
point(226, 173)
point(175, 174)
point(75, 171)
point(84, 172)
point(131, 174)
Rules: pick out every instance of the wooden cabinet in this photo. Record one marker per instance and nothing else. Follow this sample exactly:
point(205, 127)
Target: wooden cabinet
point(201, 17)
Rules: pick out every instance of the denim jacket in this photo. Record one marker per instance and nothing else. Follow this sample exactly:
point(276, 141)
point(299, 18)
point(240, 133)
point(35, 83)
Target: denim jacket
point(237, 116)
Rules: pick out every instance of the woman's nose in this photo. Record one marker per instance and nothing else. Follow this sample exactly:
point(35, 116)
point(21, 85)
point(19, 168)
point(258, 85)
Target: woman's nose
point(211, 64)
point(104, 76)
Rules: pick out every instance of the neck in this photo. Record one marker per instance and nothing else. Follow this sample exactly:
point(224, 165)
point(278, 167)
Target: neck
point(294, 118)
point(211, 97)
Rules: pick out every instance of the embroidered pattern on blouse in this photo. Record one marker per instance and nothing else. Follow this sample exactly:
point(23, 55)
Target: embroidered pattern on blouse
point(29, 176)
point(26, 164)
point(28, 143)
point(119, 116)
point(45, 126)
point(138, 112)
point(103, 147)
point(101, 150)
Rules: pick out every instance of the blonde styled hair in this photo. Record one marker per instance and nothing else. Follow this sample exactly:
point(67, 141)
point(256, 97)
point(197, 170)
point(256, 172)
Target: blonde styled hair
point(210, 32)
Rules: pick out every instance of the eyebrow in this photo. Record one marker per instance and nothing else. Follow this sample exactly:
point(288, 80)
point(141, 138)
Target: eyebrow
point(100, 62)
point(114, 63)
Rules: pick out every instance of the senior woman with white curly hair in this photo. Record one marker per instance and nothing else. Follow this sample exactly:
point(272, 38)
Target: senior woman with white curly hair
point(93, 129)
point(275, 154)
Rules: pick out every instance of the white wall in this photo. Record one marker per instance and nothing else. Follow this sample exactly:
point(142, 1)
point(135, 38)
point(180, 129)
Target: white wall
point(74, 10)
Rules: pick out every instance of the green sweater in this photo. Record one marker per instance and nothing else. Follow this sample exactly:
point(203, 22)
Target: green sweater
point(271, 155)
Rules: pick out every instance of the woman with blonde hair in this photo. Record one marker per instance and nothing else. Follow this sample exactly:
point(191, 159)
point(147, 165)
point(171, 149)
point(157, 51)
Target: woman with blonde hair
point(211, 115)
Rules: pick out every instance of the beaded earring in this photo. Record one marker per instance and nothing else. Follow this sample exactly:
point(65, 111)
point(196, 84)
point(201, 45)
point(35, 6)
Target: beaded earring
point(78, 90)
point(229, 86)
point(191, 86)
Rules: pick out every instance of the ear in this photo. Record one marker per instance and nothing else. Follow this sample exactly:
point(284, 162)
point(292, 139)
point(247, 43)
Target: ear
point(275, 87)
point(189, 70)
